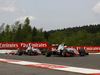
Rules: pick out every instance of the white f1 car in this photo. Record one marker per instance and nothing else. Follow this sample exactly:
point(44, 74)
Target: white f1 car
point(61, 50)
point(29, 51)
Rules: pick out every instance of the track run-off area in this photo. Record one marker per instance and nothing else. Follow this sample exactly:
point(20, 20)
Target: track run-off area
point(55, 65)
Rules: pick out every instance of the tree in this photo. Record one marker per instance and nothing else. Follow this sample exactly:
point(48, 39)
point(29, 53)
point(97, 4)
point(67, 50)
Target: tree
point(18, 32)
point(27, 31)
point(46, 34)
point(7, 37)
point(2, 28)
point(56, 38)
point(1, 31)
point(39, 37)
point(97, 39)
point(34, 33)
point(82, 38)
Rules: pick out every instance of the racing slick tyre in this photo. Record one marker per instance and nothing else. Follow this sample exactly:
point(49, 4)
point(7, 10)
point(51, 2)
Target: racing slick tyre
point(48, 53)
point(82, 52)
point(43, 51)
point(35, 52)
point(71, 53)
point(20, 52)
point(64, 53)
point(24, 52)
point(29, 52)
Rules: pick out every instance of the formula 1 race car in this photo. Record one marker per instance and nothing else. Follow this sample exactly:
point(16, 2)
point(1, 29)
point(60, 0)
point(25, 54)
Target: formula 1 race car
point(62, 51)
point(12, 53)
point(29, 51)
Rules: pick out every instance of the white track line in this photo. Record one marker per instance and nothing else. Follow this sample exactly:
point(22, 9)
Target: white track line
point(55, 67)
point(94, 53)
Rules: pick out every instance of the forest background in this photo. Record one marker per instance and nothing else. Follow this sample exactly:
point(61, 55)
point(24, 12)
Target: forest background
point(87, 35)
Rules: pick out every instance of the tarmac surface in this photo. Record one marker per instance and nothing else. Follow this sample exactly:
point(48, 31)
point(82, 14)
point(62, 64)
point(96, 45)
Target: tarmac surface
point(92, 61)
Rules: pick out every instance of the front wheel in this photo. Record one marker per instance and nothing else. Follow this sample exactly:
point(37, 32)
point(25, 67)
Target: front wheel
point(64, 53)
point(82, 52)
point(87, 53)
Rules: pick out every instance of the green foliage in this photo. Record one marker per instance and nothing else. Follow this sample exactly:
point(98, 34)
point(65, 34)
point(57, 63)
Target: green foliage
point(21, 33)
point(39, 37)
point(80, 39)
point(7, 34)
point(56, 38)
point(46, 35)
point(79, 36)
point(97, 39)
point(27, 31)
point(76, 36)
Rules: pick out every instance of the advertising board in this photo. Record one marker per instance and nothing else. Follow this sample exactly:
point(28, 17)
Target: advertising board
point(87, 48)
point(23, 45)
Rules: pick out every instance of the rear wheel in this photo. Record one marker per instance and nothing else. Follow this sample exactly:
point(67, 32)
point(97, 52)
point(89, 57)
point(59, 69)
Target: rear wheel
point(20, 52)
point(43, 51)
point(48, 53)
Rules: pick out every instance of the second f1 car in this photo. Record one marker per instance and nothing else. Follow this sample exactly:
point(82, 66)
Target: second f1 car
point(62, 51)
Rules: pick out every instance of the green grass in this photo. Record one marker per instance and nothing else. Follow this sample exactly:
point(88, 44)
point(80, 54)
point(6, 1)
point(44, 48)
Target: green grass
point(93, 51)
point(2, 53)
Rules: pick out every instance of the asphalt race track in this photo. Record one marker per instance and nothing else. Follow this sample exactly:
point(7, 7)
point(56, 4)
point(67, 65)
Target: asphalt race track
point(92, 61)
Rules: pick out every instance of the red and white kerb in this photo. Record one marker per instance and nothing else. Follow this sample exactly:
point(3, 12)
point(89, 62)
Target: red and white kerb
point(55, 67)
